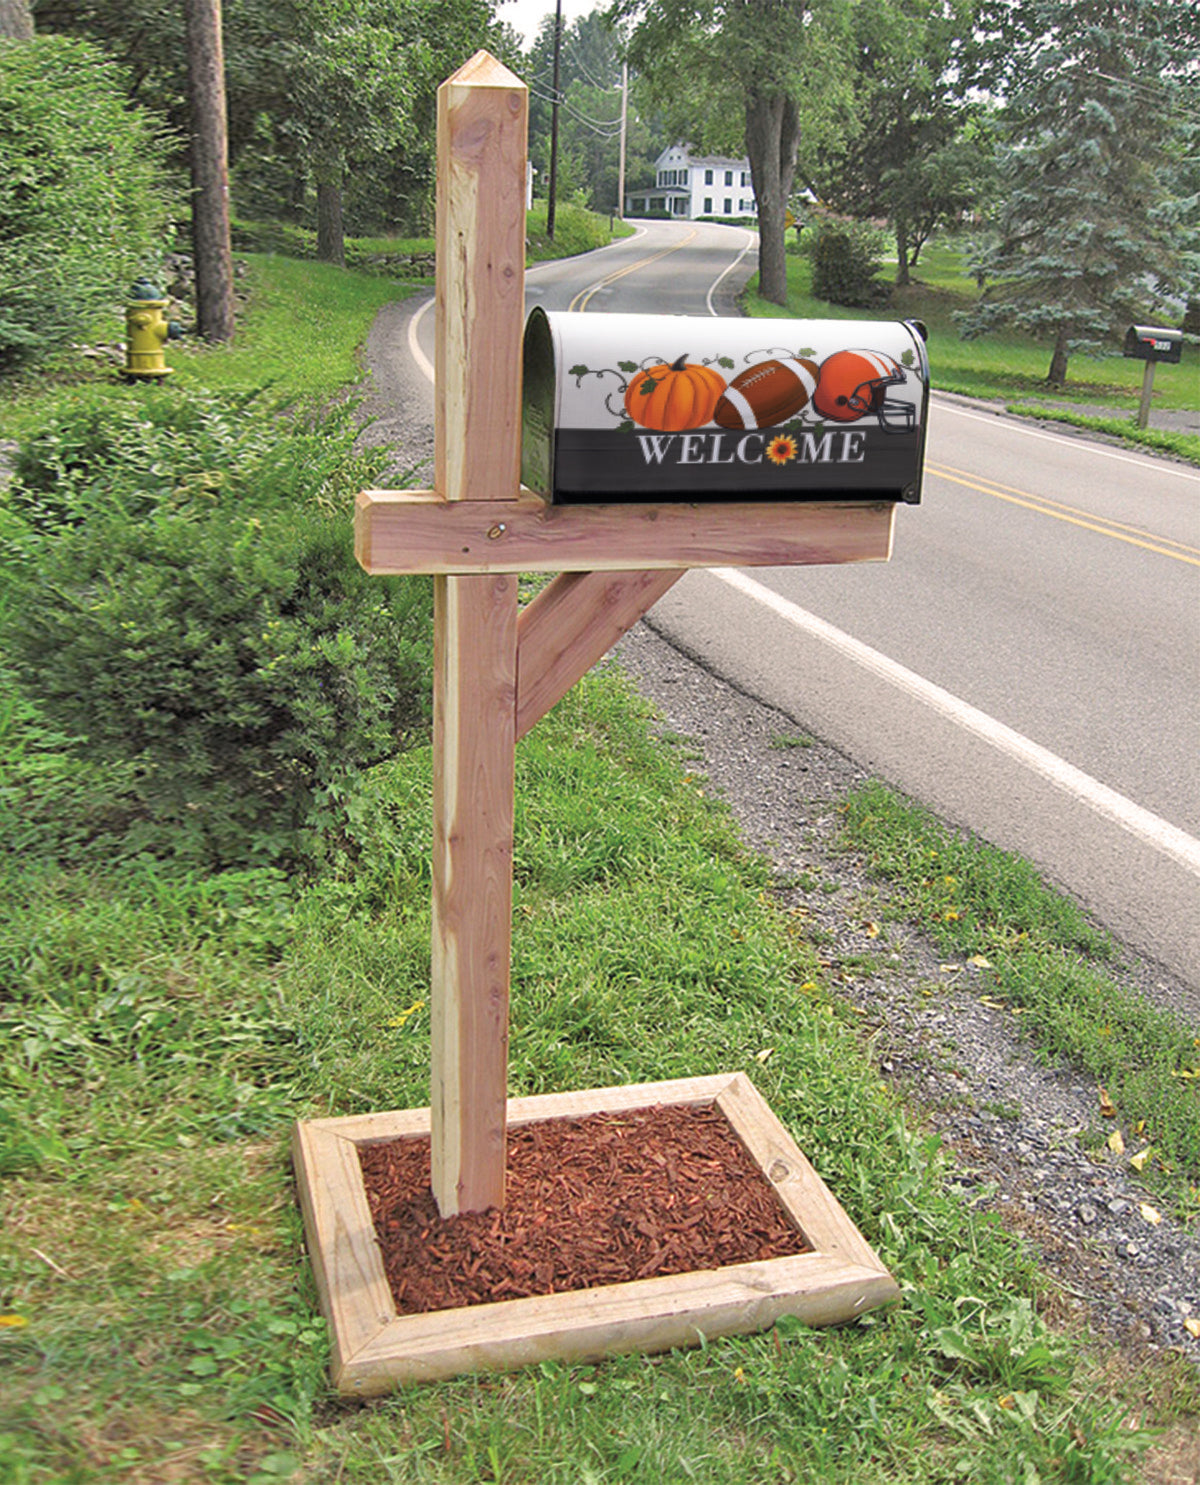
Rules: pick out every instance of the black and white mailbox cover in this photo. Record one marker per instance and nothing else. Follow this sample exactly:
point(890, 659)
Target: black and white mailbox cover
point(670, 408)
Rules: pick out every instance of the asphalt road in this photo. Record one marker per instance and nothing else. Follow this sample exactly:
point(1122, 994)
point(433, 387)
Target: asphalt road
point(1028, 662)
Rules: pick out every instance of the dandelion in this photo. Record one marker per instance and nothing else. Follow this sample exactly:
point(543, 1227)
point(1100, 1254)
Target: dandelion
point(782, 450)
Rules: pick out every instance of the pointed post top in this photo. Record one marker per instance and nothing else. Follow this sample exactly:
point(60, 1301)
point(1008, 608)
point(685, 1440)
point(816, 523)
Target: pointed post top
point(483, 71)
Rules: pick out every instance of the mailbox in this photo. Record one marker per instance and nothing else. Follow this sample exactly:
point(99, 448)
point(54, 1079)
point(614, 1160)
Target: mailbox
point(650, 408)
point(1154, 343)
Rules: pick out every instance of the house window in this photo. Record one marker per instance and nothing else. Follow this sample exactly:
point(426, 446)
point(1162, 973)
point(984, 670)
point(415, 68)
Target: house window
point(745, 177)
point(728, 206)
point(708, 177)
point(729, 177)
point(708, 200)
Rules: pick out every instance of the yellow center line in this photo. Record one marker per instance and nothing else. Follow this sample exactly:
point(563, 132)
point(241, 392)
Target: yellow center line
point(995, 485)
point(581, 300)
point(1059, 512)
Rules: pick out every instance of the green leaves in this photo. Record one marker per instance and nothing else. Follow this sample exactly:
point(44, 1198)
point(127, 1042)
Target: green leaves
point(240, 661)
point(83, 199)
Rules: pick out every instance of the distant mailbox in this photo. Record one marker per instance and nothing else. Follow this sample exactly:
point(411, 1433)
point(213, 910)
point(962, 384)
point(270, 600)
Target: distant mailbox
point(675, 408)
point(1154, 343)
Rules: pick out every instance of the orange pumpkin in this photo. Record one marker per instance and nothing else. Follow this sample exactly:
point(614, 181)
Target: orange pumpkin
point(670, 398)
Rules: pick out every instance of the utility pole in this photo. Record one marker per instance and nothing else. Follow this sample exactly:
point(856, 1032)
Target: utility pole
point(211, 245)
point(624, 117)
point(554, 122)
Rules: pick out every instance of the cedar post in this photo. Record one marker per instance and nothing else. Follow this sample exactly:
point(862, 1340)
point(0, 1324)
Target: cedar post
point(482, 114)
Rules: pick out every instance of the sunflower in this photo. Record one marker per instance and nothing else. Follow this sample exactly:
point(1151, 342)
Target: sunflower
point(782, 450)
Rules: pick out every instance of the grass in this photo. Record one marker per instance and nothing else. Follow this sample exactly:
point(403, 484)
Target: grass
point(1010, 367)
point(303, 323)
point(162, 1032)
point(1044, 959)
point(576, 230)
point(160, 1029)
point(300, 333)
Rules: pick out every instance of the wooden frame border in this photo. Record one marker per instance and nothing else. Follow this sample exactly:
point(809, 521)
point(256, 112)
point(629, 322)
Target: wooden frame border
point(376, 1350)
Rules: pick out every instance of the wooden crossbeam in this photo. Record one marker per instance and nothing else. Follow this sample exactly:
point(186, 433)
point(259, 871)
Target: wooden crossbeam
point(404, 531)
point(573, 622)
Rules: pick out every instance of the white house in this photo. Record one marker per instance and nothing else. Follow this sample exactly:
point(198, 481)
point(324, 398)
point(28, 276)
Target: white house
point(689, 186)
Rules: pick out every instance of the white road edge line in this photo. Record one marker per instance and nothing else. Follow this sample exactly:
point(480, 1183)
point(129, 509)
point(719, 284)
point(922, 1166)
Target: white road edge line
point(1150, 828)
point(1158, 465)
point(424, 364)
point(751, 239)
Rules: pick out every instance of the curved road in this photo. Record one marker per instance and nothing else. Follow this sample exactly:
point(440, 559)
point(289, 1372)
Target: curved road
point(1028, 664)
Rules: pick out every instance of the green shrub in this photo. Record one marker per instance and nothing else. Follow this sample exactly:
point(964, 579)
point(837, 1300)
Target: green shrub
point(82, 201)
point(147, 448)
point(846, 257)
point(181, 601)
point(241, 663)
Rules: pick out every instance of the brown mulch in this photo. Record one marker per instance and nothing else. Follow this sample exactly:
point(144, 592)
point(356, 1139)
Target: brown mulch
point(595, 1200)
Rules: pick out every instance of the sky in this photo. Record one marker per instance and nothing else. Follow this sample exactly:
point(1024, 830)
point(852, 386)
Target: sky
point(524, 16)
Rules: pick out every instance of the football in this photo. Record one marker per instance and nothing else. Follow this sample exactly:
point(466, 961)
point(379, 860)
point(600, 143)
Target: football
point(766, 394)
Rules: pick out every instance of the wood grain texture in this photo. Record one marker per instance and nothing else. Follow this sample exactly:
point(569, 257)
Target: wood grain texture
point(402, 531)
point(375, 1350)
point(571, 624)
point(482, 112)
point(797, 1184)
point(354, 1293)
point(474, 722)
point(648, 1315)
point(480, 241)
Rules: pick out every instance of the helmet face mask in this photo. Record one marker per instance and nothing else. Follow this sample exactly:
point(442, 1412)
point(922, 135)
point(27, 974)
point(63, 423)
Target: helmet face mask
point(853, 385)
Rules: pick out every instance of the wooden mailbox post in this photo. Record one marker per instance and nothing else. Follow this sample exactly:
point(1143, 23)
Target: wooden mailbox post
point(496, 672)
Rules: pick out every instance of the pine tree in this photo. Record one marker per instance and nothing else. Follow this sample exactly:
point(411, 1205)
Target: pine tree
point(1087, 225)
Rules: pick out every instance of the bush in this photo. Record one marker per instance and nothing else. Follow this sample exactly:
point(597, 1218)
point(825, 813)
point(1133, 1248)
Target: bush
point(233, 653)
point(846, 257)
point(148, 448)
point(82, 201)
point(241, 663)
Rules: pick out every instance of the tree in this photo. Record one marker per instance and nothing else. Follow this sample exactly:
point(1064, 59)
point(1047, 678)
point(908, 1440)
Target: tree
point(590, 113)
point(148, 39)
point(730, 75)
point(363, 79)
point(337, 92)
point(16, 20)
point(211, 246)
point(909, 154)
point(1087, 226)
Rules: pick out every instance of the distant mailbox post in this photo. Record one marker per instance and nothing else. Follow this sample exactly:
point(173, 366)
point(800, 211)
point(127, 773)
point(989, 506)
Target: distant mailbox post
point(1152, 344)
point(622, 407)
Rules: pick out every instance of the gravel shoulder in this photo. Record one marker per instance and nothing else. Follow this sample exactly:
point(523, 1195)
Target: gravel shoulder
point(1021, 1132)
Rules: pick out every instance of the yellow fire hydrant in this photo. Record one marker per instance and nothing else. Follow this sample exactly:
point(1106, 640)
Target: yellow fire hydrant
point(146, 329)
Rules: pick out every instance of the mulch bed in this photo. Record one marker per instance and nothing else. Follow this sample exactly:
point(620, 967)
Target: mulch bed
point(595, 1200)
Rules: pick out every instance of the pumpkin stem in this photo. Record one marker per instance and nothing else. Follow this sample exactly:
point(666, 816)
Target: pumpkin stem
point(680, 364)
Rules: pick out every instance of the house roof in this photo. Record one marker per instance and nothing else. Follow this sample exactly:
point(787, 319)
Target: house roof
point(714, 160)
